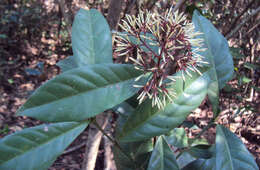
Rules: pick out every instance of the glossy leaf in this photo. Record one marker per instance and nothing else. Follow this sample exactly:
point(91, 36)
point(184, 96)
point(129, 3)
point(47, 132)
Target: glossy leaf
point(91, 38)
point(231, 153)
point(37, 147)
point(177, 137)
point(162, 157)
point(81, 93)
point(148, 121)
point(218, 56)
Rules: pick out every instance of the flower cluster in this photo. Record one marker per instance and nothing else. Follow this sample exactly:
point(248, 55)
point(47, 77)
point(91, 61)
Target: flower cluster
point(160, 45)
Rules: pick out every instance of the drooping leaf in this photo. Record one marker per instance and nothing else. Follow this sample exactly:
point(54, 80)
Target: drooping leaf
point(81, 93)
point(37, 147)
point(91, 38)
point(148, 121)
point(231, 153)
point(162, 157)
point(218, 56)
point(177, 137)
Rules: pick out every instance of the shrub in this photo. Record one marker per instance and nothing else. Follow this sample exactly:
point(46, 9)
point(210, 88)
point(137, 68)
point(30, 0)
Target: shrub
point(171, 65)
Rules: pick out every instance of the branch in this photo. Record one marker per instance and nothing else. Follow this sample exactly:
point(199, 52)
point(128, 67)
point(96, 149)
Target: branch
point(93, 142)
point(243, 22)
point(114, 11)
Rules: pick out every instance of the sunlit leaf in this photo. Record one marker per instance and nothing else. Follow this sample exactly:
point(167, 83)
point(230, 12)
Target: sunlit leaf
point(218, 56)
point(81, 93)
point(231, 153)
point(91, 38)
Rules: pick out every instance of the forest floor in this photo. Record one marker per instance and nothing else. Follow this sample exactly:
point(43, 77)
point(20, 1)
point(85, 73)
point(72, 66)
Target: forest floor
point(31, 60)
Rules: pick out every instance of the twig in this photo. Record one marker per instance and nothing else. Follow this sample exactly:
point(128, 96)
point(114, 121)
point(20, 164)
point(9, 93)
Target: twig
point(74, 148)
point(246, 19)
point(178, 5)
point(93, 142)
point(113, 141)
point(108, 160)
point(206, 128)
point(254, 27)
point(238, 17)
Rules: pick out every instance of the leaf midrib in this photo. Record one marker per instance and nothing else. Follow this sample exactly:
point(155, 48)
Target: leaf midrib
point(227, 148)
point(55, 137)
point(64, 98)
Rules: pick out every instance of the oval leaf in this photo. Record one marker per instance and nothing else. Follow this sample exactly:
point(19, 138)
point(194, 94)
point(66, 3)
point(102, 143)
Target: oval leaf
point(81, 93)
point(37, 147)
point(91, 38)
point(148, 121)
point(231, 153)
point(162, 157)
point(218, 56)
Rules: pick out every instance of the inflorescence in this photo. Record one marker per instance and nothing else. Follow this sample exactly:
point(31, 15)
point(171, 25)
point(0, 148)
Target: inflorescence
point(160, 45)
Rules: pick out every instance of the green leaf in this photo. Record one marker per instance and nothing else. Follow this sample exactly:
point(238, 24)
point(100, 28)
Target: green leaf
point(177, 137)
point(204, 164)
point(162, 157)
point(218, 56)
point(68, 63)
point(91, 38)
point(201, 164)
point(184, 159)
point(139, 151)
point(231, 153)
point(148, 121)
point(37, 147)
point(151, 39)
point(81, 93)
point(245, 80)
point(200, 151)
